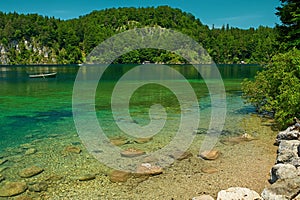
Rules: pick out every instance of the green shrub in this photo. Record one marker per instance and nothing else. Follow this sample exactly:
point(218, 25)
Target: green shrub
point(276, 89)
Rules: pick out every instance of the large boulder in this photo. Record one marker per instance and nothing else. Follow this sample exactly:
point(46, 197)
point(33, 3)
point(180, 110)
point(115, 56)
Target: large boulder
point(238, 193)
point(291, 133)
point(282, 189)
point(283, 171)
point(288, 151)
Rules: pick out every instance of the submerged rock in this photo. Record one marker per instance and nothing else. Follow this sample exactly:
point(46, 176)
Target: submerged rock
point(26, 146)
point(210, 155)
point(30, 171)
point(119, 176)
point(238, 193)
point(23, 198)
point(148, 169)
point(86, 177)
point(1, 178)
point(3, 168)
point(10, 189)
point(237, 140)
point(179, 155)
point(2, 161)
point(30, 151)
point(200, 131)
point(143, 140)
point(209, 170)
point(119, 140)
point(38, 187)
point(130, 153)
point(73, 149)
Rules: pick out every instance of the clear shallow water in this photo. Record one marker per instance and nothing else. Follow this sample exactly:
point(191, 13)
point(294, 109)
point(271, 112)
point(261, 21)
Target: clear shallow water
point(36, 108)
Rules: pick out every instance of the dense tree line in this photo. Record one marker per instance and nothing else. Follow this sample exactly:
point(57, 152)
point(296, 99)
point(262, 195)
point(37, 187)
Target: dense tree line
point(31, 38)
point(276, 90)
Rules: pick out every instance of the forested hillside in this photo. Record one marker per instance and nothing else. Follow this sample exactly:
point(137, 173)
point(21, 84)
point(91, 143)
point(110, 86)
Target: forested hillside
point(34, 39)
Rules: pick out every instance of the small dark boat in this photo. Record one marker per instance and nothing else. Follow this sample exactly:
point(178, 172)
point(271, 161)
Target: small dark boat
point(43, 75)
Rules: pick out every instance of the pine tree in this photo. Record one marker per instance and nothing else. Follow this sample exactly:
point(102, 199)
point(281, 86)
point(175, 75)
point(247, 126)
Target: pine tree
point(289, 30)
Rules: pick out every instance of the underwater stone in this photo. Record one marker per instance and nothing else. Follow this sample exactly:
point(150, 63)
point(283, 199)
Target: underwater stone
point(210, 155)
point(73, 149)
point(209, 170)
point(130, 153)
point(119, 176)
point(31, 171)
point(86, 177)
point(2, 161)
point(10, 189)
point(38, 187)
point(148, 169)
point(3, 168)
point(179, 155)
point(143, 140)
point(30, 151)
point(1, 178)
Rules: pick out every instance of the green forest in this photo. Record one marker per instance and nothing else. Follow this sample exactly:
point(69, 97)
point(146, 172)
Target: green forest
point(275, 92)
point(35, 39)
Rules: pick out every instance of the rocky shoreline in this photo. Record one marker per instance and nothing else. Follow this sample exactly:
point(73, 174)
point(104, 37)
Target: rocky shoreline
point(284, 175)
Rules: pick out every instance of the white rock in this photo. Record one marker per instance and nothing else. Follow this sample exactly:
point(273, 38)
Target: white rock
point(267, 194)
point(238, 193)
point(283, 171)
point(203, 197)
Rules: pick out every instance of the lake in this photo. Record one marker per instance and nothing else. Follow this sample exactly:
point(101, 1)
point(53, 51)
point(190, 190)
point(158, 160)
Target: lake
point(37, 114)
point(44, 106)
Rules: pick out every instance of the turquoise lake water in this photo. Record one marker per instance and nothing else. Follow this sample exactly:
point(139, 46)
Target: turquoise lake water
point(36, 108)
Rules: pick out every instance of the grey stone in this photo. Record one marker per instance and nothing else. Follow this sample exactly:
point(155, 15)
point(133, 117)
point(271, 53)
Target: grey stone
point(291, 133)
point(282, 189)
point(287, 151)
point(238, 193)
point(283, 171)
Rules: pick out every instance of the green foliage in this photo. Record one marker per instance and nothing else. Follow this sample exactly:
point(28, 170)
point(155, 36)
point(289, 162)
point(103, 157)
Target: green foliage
point(69, 41)
point(289, 14)
point(276, 89)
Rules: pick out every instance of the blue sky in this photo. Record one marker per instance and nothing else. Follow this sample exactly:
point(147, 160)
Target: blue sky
point(236, 13)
